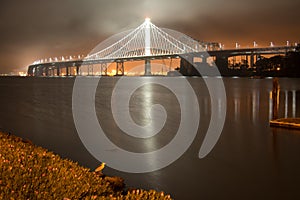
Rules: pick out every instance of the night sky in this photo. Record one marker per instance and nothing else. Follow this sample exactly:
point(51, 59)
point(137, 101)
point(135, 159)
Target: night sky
point(37, 29)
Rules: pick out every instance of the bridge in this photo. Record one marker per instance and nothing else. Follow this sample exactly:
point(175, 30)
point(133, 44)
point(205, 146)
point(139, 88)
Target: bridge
point(147, 43)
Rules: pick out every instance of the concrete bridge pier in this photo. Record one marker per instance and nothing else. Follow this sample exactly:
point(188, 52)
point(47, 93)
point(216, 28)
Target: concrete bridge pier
point(39, 71)
point(147, 67)
point(251, 64)
point(58, 71)
point(119, 68)
point(51, 71)
point(77, 70)
point(67, 71)
point(103, 68)
point(187, 66)
point(46, 71)
point(90, 70)
point(222, 63)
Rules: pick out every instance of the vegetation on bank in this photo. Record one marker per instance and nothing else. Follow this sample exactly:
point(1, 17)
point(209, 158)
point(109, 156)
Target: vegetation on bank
point(31, 172)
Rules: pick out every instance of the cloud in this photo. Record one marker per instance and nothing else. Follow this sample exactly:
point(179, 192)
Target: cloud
point(31, 29)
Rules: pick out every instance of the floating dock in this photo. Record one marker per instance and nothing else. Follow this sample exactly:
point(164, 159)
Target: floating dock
point(293, 123)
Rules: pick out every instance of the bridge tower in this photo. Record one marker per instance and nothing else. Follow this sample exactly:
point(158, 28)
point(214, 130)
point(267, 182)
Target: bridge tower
point(147, 47)
point(146, 42)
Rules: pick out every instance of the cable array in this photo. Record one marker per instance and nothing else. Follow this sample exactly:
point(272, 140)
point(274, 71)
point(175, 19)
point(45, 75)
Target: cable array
point(161, 43)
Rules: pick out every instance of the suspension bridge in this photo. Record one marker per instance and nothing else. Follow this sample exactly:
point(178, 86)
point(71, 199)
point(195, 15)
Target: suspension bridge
point(147, 43)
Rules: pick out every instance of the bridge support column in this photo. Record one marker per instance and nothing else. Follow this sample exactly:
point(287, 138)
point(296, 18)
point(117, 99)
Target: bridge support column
point(103, 68)
point(34, 71)
point(120, 68)
point(58, 71)
point(37, 71)
point(147, 67)
point(46, 71)
point(186, 66)
point(67, 71)
point(251, 60)
point(77, 70)
point(222, 63)
point(30, 71)
point(90, 70)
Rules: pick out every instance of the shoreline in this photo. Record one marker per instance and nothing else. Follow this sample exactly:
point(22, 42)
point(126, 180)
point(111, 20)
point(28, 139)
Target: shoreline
point(28, 171)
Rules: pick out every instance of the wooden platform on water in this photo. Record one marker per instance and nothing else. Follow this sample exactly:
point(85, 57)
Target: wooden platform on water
point(293, 123)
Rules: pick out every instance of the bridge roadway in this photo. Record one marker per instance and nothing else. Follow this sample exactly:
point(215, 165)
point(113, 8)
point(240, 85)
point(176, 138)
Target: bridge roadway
point(220, 56)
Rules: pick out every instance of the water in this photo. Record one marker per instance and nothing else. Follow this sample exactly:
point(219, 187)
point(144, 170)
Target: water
point(250, 161)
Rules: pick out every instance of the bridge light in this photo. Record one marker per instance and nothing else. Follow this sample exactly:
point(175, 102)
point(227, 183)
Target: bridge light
point(147, 20)
point(271, 44)
point(287, 43)
point(255, 44)
point(221, 46)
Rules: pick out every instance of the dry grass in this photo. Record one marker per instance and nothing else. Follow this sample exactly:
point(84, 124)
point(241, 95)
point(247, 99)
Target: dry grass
point(31, 172)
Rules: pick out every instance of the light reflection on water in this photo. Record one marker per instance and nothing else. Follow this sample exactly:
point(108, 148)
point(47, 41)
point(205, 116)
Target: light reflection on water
point(256, 103)
point(250, 161)
point(287, 104)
